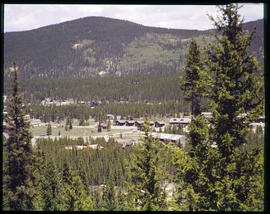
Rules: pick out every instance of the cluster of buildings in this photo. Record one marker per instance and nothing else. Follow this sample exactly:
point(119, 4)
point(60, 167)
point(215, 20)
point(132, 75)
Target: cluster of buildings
point(83, 146)
point(126, 143)
point(138, 124)
point(48, 101)
point(180, 122)
point(174, 138)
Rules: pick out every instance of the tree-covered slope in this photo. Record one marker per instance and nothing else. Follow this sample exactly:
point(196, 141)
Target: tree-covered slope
point(98, 45)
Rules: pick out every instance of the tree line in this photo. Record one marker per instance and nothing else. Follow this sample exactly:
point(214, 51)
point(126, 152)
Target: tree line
point(157, 87)
point(82, 112)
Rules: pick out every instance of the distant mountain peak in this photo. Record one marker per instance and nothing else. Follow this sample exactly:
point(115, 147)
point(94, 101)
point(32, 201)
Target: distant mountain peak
point(92, 45)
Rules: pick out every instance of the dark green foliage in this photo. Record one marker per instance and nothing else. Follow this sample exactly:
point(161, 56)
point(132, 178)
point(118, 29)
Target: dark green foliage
point(201, 177)
point(109, 125)
point(109, 195)
point(193, 82)
point(50, 185)
point(226, 169)
point(144, 87)
point(94, 167)
point(70, 124)
point(136, 110)
point(49, 129)
point(235, 90)
point(99, 129)
point(74, 195)
point(145, 173)
point(18, 177)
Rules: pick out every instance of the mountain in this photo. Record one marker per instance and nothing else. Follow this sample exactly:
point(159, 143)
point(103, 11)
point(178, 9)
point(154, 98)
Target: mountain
point(98, 46)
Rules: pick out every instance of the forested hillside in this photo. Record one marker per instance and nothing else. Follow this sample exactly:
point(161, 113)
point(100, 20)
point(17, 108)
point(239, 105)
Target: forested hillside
point(145, 87)
point(97, 45)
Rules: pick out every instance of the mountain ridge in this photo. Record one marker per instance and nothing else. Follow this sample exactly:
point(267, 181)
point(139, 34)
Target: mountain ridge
point(97, 45)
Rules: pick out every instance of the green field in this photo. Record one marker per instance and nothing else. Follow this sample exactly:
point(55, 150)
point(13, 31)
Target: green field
point(40, 130)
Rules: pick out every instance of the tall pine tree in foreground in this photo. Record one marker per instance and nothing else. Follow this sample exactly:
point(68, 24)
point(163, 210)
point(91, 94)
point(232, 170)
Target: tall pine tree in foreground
point(235, 103)
point(18, 176)
point(194, 178)
point(191, 173)
point(193, 81)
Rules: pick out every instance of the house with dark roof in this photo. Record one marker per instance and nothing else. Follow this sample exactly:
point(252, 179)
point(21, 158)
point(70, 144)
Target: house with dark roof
point(120, 122)
point(159, 124)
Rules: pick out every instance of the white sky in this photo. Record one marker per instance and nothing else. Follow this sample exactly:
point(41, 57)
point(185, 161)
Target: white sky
point(19, 17)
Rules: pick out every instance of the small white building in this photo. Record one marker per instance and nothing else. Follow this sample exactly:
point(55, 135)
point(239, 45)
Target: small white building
point(174, 138)
point(207, 115)
point(110, 116)
point(35, 122)
point(65, 103)
point(253, 126)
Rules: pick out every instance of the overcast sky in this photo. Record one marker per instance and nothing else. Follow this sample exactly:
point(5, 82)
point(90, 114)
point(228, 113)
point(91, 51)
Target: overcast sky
point(26, 17)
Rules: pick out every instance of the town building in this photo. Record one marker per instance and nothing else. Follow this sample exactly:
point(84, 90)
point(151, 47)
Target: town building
point(159, 124)
point(174, 138)
point(130, 122)
point(183, 122)
point(84, 146)
point(120, 122)
point(207, 115)
point(139, 124)
point(35, 122)
point(110, 116)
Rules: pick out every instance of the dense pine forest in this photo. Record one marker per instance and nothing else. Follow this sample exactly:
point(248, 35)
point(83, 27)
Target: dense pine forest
point(148, 87)
point(160, 87)
point(82, 112)
point(219, 168)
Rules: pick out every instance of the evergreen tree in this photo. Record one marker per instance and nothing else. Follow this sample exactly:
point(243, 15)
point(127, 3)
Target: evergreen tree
point(183, 168)
point(193, 82)
point(235, 92)
point(67, 124)
point(122, 202)
point(99, 127)
point(145, 175)
point(50, 185)
point(49, 130)
point(70, 124)
point(82, 122)
point(204, 161)
point(75, 196)
point(109, 125)
point(109, 195)
point(19, 177)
